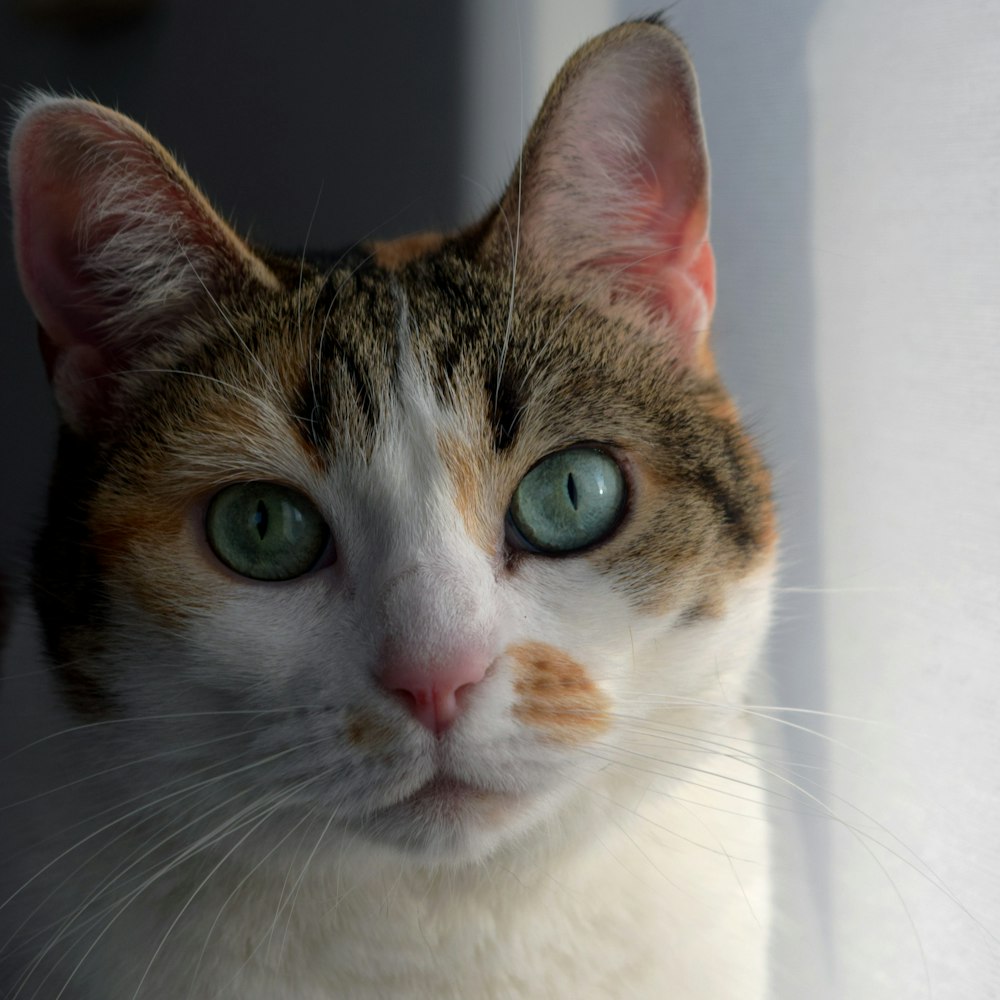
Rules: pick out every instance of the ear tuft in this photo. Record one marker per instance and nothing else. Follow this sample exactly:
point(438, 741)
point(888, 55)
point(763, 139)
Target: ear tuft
point(113, 241)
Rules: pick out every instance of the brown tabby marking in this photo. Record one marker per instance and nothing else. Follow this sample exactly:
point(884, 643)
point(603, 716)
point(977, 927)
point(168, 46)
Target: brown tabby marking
point(369, 733)
point(556, 694)
point(146, 545)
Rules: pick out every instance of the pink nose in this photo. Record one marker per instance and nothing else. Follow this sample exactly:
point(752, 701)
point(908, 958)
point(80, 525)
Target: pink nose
point(432, 692)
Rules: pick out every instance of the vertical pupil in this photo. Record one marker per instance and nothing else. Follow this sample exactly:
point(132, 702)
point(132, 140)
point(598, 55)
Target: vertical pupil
point(571, 489)
point(260, 519)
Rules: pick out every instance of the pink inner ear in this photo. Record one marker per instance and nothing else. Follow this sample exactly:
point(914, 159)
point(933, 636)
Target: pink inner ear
point(670, 263)
point(667, 259)
point(113, 243)
point(677, 153)
point(47, 214)
point(49, 256)
point(617, 186)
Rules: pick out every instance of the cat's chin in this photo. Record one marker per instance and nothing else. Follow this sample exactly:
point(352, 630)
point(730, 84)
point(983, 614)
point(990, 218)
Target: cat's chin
point(449, 821)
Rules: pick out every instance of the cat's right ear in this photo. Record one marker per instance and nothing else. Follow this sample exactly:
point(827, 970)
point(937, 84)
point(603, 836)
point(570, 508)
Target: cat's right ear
point(114, 243)
point(610, 201)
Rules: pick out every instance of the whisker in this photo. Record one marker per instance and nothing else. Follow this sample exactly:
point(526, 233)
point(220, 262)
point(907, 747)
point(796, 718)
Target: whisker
point(299, 294)
point(645, 819)
point(184, 791)
point(231, 824)
point(514, 237)
point(284, 884)
point(268, 936)
point(131, 719)
point(887, 841)
point(123, 903)
point(201, 885)
point(93, 776)
point(296, 887)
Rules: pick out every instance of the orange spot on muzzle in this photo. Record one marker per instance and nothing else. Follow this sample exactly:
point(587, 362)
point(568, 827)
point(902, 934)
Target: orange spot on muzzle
point(554, 693)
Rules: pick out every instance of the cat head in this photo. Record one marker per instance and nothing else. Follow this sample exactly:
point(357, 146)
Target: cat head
point(412, 538)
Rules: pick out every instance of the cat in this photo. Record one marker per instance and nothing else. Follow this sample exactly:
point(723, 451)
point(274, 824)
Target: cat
point(394, 612)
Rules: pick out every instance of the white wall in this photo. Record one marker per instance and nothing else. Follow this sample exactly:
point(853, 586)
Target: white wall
point(906, 261)
point(512, 51)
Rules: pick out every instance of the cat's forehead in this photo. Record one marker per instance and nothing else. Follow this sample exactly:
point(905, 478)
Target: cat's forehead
point(347, 358)
point(508, 362)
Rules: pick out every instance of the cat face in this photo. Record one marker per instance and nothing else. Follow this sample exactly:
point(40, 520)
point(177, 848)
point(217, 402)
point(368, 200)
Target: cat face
point(414, 542)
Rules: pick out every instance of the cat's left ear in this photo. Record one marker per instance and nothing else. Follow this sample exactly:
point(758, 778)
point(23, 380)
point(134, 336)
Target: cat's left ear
point(114, 244)
point(611, 200)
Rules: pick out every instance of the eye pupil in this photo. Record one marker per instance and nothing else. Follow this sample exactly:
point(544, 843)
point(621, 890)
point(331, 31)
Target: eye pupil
point(571, 490)
point(260, 519)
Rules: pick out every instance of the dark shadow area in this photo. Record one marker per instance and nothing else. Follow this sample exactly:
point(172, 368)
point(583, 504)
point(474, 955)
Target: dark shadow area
point(331, 121)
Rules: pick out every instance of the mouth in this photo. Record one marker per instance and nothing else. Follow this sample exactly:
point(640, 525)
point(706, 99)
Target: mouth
point(447, 819)
point(447, 793)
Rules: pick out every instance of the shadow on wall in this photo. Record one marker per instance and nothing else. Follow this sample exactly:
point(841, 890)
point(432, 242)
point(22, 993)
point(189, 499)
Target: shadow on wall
point(755, 96)
point(334, 121)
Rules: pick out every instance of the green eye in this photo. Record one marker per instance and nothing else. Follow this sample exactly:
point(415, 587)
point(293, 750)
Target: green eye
point(265, 531)
point(568, 501)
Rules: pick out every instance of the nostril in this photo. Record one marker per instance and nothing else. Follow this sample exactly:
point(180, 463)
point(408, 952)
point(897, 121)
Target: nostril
point(407, 698)
point(461, 691)
point(414, 701)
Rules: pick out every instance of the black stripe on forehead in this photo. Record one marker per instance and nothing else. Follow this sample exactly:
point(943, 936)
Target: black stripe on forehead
point(353, 352)
point(503, 406)
point(455, 359)
point(336, 374)
point(312, 403)
point(460, 319)
point(363, 395)
point(311, 408)
point(460, 357)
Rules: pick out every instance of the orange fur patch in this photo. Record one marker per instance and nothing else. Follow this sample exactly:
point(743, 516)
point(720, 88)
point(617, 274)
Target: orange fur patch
point(703, 360)
point(468, 476)
point(555, 694)
point(768, 535)
point(145, 547)
point(394, 254)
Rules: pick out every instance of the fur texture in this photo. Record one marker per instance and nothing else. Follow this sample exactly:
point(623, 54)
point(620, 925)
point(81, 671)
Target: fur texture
point(221, 794)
